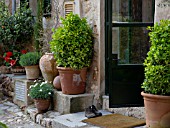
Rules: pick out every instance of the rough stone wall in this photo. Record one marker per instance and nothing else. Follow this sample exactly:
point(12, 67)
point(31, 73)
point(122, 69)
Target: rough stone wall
point(91, 10)
point(162, 10)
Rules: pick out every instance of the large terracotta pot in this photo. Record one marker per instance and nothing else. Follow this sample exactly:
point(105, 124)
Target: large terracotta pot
point(157, 110)
point(48, 67)
point(72, 81)
point(32, 72)
point(42, 105)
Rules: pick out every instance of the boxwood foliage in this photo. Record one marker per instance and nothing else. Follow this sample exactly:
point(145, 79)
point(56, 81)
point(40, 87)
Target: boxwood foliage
point(30, 58)
point(157, 63)
point(72, 43)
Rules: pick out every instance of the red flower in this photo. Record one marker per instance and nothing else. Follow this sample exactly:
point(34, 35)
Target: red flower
point(13, 62)
point(7, 59)
point(9, 54)
point(23, 51)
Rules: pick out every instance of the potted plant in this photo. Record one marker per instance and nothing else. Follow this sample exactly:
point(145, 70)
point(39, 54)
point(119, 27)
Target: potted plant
point(30, 61)
point(41, 92)
point(73, 50)
point(157, 77)
point(11, 59)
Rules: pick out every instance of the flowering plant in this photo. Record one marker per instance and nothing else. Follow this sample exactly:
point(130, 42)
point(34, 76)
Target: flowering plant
point(41, 90)
point(12, 58)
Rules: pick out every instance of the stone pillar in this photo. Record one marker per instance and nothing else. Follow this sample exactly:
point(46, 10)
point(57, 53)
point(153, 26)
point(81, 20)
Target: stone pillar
point(162, 10)
point(33, 6)
point(13, 6)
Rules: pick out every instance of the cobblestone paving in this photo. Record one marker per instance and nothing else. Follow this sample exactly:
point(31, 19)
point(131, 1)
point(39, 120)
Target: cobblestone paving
point(13, 116)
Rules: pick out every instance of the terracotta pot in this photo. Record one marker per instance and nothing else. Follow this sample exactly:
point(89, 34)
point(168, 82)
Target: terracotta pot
point(157, 110)
point(42, 105)
point(32, 72)
point(48, 67)
point(57, 83)
point(18, 70)
point(72, 81)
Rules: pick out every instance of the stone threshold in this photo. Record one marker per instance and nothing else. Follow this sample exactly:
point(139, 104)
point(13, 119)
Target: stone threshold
point(53, 119)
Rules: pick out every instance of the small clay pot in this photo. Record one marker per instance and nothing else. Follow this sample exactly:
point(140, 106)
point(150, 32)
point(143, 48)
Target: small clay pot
point(42, 105)
point(56, 83)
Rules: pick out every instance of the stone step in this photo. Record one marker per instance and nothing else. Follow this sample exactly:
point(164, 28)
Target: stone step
point(65, 104)
point(53, 119)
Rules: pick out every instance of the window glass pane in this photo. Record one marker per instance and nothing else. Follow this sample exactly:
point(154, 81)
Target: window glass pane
point(131, 44)
point(132, 11)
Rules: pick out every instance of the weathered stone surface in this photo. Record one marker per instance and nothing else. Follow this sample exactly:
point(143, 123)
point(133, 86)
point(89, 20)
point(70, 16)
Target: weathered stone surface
point(138, 112)
point(71, 103)
point(162, 10)
point(22, 87)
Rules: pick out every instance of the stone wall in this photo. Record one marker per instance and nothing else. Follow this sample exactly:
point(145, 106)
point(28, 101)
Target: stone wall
point(162, 10)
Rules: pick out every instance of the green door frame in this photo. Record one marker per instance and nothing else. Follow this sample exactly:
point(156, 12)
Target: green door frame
point(108, 41)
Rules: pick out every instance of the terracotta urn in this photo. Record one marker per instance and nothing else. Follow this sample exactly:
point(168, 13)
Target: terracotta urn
point(48, 67)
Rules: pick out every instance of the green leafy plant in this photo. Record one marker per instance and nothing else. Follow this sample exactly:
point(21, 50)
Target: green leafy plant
point(157, 63)
point(30, 58)
point(41, 90)
point(2, 125)
point(72, 43)
point(15, 30)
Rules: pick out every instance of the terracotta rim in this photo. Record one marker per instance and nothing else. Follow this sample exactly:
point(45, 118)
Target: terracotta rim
point(147, 95)
point(67, 68)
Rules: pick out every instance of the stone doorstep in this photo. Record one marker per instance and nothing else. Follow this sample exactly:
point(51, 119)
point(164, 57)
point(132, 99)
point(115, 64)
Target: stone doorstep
point(53, 119)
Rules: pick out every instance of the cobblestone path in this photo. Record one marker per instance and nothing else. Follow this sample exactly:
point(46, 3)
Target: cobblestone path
point(13, 116)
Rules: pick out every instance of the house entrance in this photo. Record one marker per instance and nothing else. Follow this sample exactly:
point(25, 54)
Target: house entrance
point(127, 44)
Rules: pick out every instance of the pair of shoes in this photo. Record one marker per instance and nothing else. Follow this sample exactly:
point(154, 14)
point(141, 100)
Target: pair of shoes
point(95, 111)
point(92, 112)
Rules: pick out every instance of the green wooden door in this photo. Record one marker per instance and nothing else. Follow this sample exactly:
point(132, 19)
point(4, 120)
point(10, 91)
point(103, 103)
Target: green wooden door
point(127, 44)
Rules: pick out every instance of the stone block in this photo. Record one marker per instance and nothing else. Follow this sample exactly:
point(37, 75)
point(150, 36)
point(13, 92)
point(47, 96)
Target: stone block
point(65, 104)
point(21, 89)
